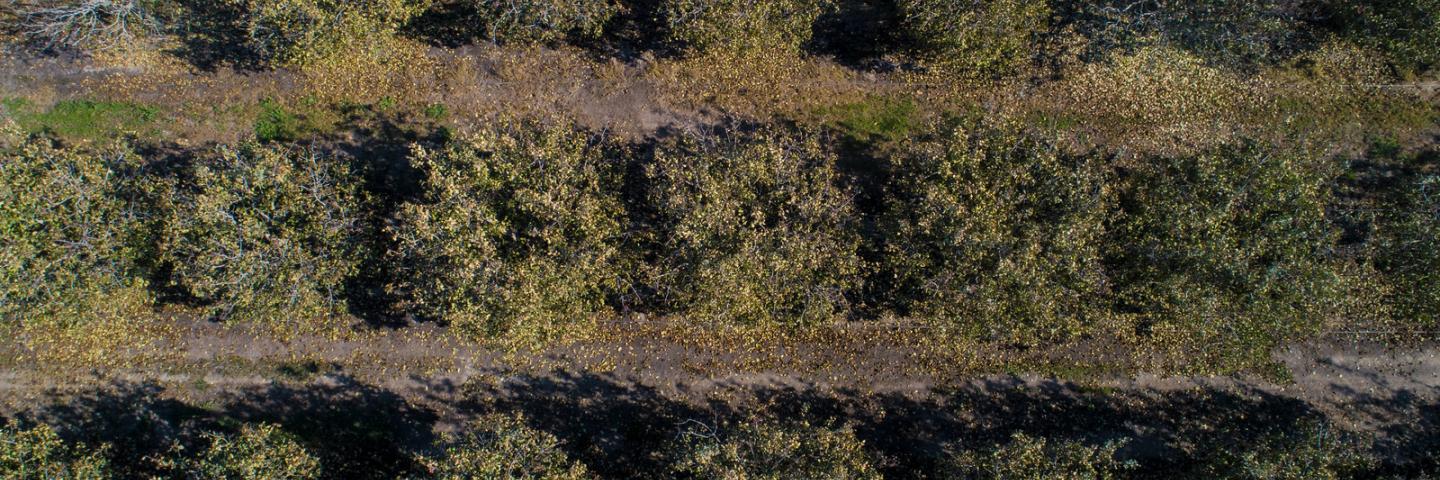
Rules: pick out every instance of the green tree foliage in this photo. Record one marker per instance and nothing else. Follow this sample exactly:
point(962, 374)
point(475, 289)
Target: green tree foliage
point(772, 451)
point(703, 25)
point(1244, 33)
point(1407, 30)
point(72, 246)
point(1228, 252)
point(1036, 458)
point(1244, 30)
point(1233, 32)
point(39, 454)
point(543, 21)
point(267, 232)
point(975, 37)
point(1408, 253)
point(502, 446)
point(999, 235)
point(11, 135)
point(304, 32)
point(1308, 451)
point(518, 234)
point(257, 452)
point(757, 230)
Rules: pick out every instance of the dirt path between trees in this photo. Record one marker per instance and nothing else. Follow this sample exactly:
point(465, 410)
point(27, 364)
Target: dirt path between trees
point(610, 402)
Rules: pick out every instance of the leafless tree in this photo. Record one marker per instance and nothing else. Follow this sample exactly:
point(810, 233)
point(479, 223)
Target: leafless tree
point(88, 23)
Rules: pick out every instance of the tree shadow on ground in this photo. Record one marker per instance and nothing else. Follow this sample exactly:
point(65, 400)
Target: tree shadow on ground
point(378, 145)
point(636, 30)
point(212, 34)
point(133, 418)
point(613, 426)
point(356, 430)
point(864, 35)
point(620, 429)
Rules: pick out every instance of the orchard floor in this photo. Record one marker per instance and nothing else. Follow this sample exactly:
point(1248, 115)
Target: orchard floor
point(370, 395)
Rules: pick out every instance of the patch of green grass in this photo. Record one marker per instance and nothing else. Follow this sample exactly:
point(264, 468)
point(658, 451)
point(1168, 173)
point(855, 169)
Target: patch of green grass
point(436, 111)
point(1376, 114)
point(82, 119)
point(276, 124)
point(14, 105)
point(302, 370)
point(386, 104)
point(1276, 372)
point(1385, 147)
point(281, 122)
point(1055, 121)
point(875, 118)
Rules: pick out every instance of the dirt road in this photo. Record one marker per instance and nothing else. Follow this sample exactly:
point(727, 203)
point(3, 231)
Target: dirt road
point(393, 391)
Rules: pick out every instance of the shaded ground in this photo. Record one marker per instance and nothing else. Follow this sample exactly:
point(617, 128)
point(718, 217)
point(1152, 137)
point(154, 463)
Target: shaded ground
point(364, 402)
